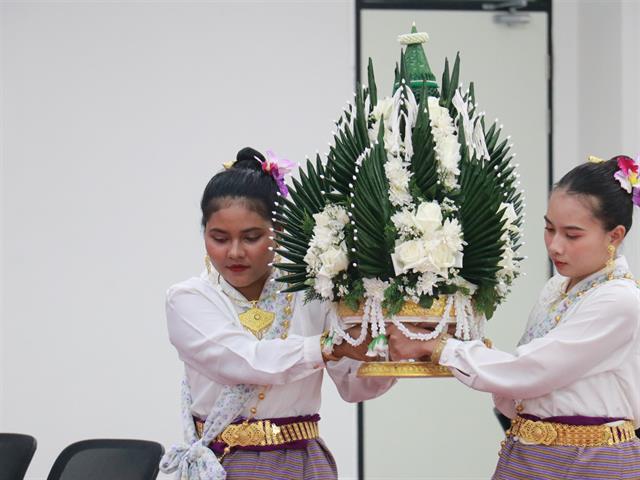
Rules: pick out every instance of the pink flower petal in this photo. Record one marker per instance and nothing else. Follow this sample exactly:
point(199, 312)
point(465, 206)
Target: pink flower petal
point(627, 164)
point(623, 180)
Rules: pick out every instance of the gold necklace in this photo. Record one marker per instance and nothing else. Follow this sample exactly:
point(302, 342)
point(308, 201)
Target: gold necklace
point(569, 298)
point(256, 320)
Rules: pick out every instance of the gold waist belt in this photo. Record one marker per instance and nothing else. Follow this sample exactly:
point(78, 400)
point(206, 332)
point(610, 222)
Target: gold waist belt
point(560, 434)
point(263, 432)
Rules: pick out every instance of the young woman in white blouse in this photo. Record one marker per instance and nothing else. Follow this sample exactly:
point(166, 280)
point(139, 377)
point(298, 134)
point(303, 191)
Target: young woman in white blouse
point(572, 387)
point(253, 358)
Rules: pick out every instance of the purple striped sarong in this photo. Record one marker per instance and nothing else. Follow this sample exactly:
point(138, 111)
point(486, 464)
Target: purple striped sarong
point(314, 462)
point(540, 462)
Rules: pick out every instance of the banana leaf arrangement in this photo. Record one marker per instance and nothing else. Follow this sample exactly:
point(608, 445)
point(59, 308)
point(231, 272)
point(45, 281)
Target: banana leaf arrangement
point(417, 199)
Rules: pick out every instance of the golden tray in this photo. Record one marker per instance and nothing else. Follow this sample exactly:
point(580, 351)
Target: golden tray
point(403, 370)
point(412, 313)
point(409, 309)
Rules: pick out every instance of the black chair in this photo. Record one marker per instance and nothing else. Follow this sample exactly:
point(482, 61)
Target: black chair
point(113, 459)
point(16, 452)
point(505, 422)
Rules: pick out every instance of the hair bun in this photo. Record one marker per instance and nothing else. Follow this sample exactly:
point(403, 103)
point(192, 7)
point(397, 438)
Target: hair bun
point(247, 158)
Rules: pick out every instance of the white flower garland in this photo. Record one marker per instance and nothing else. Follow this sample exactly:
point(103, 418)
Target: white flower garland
point(474, 134)
point(374, 295)
point(446, 143)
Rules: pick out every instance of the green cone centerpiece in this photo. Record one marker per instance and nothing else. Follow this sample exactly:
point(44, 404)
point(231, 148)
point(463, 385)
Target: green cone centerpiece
point(415, 207)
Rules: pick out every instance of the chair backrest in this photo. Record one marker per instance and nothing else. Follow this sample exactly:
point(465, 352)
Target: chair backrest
point(108, 459)
point(505, 422)
point(16, 452)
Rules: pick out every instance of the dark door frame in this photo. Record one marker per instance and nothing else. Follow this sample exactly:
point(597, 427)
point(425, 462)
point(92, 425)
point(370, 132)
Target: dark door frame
point(468, 5)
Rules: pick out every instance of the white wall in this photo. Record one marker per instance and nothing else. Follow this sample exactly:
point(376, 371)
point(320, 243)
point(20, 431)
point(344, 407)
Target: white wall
point(630, 108)
point(596, 103)
point(114, 117)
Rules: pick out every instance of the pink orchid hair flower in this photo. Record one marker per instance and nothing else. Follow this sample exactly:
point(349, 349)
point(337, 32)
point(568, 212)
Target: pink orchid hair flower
point(277, 168)
point(627, 164)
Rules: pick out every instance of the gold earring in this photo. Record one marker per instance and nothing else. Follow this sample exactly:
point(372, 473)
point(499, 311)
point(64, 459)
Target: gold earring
point(612, 256)
point(208, 264)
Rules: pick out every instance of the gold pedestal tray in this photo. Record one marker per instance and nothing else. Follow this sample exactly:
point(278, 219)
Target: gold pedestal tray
point(403, 370)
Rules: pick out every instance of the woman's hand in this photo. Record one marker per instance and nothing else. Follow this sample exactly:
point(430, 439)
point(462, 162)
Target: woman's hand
point(403, 348)
point(345, 350)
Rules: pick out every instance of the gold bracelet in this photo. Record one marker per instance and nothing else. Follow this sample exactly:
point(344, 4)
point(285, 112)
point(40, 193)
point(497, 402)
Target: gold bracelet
point(323, 338)
point(437, 351)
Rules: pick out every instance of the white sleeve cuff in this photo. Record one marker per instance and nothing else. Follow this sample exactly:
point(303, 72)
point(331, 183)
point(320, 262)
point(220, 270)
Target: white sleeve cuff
point(448, 352)
point(313, 352)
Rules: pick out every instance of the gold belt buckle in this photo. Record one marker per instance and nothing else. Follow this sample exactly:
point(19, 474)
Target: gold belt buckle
point(243, 434)
point(536, 433)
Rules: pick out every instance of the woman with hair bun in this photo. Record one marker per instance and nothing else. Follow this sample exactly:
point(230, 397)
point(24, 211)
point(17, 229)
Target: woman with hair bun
point(572, 387)
point(252, 355)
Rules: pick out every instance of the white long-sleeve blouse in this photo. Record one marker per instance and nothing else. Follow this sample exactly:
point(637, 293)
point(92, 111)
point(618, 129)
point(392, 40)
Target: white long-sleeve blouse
point(588, 365)
point(217, 351)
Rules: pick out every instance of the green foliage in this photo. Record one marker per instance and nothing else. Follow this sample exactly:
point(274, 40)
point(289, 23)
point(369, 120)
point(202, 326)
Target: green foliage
point(353, 298)
point(425, 301)
point(349, 144)
point(354, 177)
point(423, 161)
point(481, 222)
point(393, 298)
point(371, 214)
point(486, 300)
point(450, 84)
point(295, 218)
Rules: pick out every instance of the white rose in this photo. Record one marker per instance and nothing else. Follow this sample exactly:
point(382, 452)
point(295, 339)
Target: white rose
point(324, 286)
point(409, 255)
point(441, 256)
point(334, 260)
point(428, 217)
